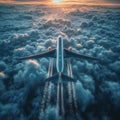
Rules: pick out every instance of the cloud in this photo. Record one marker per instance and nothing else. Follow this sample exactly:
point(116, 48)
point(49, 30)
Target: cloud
point(67, 1)
point(115, 66)
point(113, 1)
point(112, 88)
point(3, 65)
point(27, 1)
point(84, 96)
point(91, 30)
point(9, 110)
point(32, 71)
point(2, 75)
point(2, 88)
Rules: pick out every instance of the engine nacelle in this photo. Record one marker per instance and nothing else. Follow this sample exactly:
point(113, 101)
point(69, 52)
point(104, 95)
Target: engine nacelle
point(49, 48)
point(70, 48)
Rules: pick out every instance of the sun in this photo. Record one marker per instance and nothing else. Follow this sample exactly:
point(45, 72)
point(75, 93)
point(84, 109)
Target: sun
point(57, 1)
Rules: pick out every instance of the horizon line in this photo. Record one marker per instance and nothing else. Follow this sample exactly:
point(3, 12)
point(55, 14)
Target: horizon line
point(59, 4)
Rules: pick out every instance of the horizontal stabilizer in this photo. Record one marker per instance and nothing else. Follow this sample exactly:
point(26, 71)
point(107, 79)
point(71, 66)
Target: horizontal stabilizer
point(44, 54)
point(64, 78)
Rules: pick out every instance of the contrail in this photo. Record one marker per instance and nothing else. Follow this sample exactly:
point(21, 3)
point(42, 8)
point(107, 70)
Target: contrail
point(47, 90)
point(42, 109)
point(72, 85)
point(70, 97)
point(62, 102)
point(48, 100)
point(69, 89)
point(75, 101)
point(60, 113)
point(50, 84)
point(58, 101)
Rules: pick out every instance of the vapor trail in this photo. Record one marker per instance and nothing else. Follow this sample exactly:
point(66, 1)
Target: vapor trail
point(62, 102)
point(42, 108)
point(47, 90)
point(58, 101)
point(75, 101)
point(70, 97)
point(73, 90)
point(69, 89)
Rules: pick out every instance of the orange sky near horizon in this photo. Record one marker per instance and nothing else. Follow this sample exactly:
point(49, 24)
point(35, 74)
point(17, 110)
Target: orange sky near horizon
point(87, 2)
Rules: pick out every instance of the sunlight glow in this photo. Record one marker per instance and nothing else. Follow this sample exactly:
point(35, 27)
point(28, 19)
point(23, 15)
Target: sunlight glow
point(57, 1)
point(63, 2)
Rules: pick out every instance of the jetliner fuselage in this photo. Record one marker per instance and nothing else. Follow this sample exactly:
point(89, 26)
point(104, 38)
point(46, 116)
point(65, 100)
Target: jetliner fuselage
point(60, 56)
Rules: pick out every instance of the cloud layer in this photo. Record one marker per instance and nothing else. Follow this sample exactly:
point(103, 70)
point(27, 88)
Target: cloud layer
point(91, 30)
point(64, 1)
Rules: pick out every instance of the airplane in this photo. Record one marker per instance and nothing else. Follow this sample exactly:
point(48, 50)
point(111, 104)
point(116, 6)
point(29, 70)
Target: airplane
point(60, 54)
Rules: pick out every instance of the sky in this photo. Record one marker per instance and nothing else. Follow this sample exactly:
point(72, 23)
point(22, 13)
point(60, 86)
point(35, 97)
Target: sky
point(117, 2)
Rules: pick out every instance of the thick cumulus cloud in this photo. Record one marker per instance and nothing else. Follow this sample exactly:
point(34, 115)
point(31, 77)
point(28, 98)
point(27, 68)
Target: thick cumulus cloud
point(110, 86)
point(84, 96)
point(31, 0)
point(89, 30)
point(25, 0)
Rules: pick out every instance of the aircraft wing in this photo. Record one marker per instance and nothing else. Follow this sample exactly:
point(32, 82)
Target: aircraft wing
point(69, 54)
point(51, 53)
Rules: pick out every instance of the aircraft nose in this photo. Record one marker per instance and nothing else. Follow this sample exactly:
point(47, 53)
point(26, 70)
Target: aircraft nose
point(60, 38)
